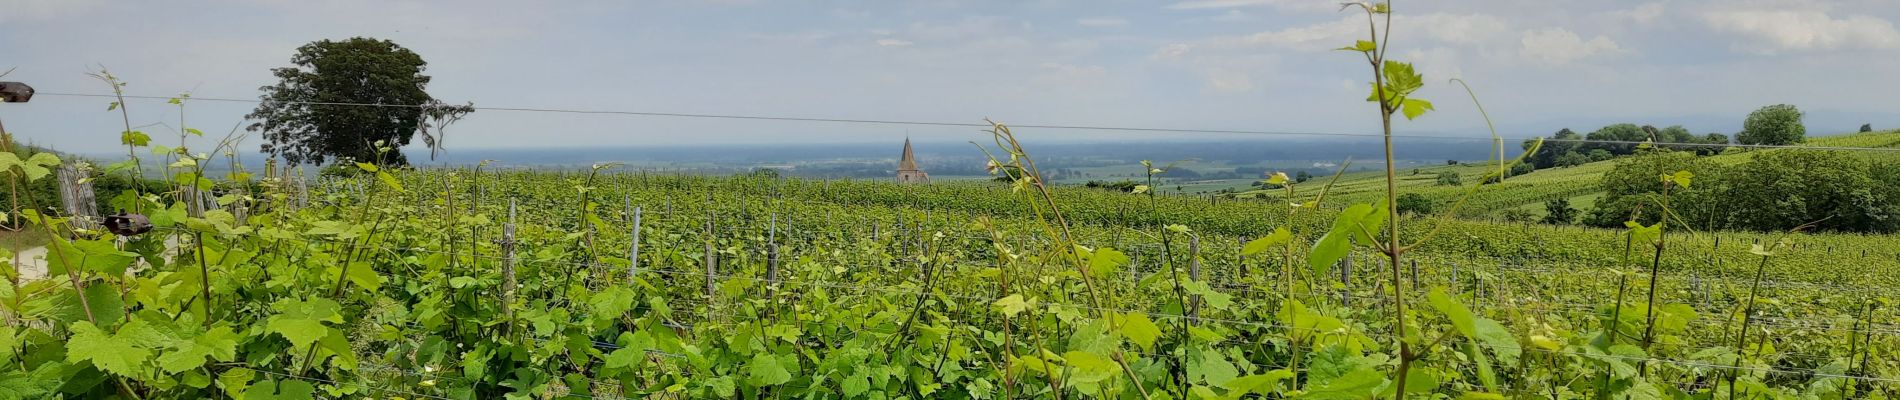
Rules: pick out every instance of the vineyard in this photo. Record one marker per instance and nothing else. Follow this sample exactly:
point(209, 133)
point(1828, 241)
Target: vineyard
point(379, 280)
point(464, 283)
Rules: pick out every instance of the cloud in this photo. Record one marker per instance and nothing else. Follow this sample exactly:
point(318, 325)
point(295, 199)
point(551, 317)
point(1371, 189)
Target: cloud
point(1230, 5)
point(1207, 4)
point(1172, 51)
point(1053, 73)
point(1440, 27)
point(1642, 14)
point(1561, 46)
point(893, 42)
point(1224, 80)
point(1773, 31)
point(1102, 22)
point(45, 9)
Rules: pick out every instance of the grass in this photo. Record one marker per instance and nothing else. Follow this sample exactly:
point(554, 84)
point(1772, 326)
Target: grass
point(17, 240)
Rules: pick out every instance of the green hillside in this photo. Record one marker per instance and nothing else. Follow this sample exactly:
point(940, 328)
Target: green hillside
point(1530, 191)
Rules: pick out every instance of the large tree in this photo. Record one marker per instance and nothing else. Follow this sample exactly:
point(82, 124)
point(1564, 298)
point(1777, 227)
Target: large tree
point(315, 112)
point(1778, 124)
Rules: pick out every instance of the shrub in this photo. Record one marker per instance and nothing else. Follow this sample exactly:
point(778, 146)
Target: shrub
point(1558, 212)
point(1414, 203)
point(1449, 178)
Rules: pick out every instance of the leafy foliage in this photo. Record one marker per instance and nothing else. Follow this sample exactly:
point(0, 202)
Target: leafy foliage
point(1778, 124)
point(301, 125)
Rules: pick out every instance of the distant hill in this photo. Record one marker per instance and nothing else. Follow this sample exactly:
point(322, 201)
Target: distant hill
point(1530, 191)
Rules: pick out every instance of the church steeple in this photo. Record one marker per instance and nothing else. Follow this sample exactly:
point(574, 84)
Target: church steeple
point(909, 161)
point(907, 171)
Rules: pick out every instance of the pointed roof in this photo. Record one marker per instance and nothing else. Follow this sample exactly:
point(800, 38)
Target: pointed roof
point(909, 161)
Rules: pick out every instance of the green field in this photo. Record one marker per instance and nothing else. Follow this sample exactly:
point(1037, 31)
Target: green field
point(467, 284)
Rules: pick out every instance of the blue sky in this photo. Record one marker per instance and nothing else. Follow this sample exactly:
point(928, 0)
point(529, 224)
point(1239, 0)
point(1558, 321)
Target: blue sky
point(1218, 64)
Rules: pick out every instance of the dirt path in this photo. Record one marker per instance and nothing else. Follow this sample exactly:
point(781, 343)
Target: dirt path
point(32, 262)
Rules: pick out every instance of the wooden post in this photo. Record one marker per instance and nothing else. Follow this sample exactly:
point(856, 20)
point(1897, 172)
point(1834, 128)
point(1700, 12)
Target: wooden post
point(712, 263)
point(1194, 274)
point(508, 262)
point(771, 279)
point(633, 249)
point(1345, 280)
point(1415, 272)
point(80, 204)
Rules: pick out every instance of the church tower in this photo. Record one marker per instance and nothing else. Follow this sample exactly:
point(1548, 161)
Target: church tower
point(907, 171)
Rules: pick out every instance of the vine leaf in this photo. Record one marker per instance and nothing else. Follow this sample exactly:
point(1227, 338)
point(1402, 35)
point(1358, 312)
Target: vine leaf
point(219, 343)
point(1337, 242)
point(1360, 383)
point(1140, 330)
point(302, 321)
point(1012, 305)
point(284, 390)
point(110, 353)
point(766, 370)
point(1414, 107)
point(1280, 235)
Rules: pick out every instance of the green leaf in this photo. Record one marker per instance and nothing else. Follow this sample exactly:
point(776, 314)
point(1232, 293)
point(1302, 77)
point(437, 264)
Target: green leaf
point(765, 370)
point(1412, 108)
point(1264, 385)
point(1140, 330)
point(1337, 242)
point(363, 274)
point(1682, 179)
point(1644, 234)
point(195, 132)
point(461, 282)
point(368, 167)
point(134, 138)
point(108, 353)
point(1105, 260)
point(1461, 317)
point(219, 344)
point(284, 390)
point(1357, 384)
point(1279, 236)
point(1361, 46)
point(613, 302)
point(390, 180)
point(1012, 305)
point(302, 321)
point(1402, 79)
point(856, 384)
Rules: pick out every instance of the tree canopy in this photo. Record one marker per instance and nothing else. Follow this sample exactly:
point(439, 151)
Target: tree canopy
point(1778, 124)
point(306, 118)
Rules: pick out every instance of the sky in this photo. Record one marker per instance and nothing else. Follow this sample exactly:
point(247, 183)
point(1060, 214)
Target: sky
point(1261, 65)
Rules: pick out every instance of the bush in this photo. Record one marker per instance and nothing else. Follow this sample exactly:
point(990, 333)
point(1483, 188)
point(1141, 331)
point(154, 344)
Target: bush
point(1522, 168)
point(1866, 127)
point(1449, 178)
point(1778, 124)
point(1634, 181)
point(1414, 203)
point(1781, 189)
point(1558, 212)
point(1571, 159)
point(1517, 215)
point(1124, 186)
point(1600, 155)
